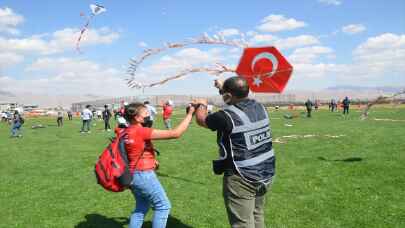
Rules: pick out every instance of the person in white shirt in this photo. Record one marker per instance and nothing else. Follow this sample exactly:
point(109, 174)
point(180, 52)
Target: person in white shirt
point(4, 116)
point(152, 113)
point(99, 114)
point(86, 116)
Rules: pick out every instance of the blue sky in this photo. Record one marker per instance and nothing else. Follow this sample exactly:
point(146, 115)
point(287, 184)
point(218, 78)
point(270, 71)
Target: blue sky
point(329, 43)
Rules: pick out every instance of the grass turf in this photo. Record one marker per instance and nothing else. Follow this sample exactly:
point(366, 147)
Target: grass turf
point(47, 178)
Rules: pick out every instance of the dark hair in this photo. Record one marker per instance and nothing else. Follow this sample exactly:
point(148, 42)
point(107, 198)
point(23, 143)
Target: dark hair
point(146, 102)
point(236, 86)
point(105, 106)
point(132, 110)
point(88, 106)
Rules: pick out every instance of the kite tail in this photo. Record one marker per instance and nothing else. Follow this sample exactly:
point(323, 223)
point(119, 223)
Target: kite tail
point(84, 28)
point(380, 99)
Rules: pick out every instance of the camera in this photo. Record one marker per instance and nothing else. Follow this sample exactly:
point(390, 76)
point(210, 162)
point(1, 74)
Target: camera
point(196, 106)
point(218, 166)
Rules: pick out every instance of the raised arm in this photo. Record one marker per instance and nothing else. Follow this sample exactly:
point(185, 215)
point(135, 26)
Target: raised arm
point(201, 112)
point(176, 132)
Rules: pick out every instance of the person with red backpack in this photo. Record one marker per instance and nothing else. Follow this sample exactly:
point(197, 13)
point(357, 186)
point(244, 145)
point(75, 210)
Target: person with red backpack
point(145, 185)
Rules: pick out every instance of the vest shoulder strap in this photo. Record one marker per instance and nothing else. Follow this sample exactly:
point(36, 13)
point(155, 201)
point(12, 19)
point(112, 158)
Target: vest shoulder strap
point(247, 124)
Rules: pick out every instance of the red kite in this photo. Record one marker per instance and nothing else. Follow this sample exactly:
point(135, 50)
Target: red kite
point(265, 69)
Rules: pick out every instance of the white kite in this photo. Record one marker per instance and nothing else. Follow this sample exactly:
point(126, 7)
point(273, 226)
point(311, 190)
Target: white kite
point(95, 10)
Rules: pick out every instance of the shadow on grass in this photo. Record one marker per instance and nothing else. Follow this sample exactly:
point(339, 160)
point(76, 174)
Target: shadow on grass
point(172, 222)
point(353, 159)
point(96, 221)
point(178, 178)
point(101, 221)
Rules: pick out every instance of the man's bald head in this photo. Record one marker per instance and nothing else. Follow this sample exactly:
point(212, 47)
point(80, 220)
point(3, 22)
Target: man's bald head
point(236, 86)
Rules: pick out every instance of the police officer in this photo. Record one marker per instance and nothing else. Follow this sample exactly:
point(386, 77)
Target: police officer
point(247, 159)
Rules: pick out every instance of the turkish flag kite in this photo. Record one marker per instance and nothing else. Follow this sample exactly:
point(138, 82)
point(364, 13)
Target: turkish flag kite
point(265, 69)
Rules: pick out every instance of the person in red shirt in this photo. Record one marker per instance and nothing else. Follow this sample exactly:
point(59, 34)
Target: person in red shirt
point(146, 188)
point(167, 114)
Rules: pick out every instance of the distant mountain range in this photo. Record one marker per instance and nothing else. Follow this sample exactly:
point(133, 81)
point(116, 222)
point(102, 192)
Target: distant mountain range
point(335, 92)
point(46, 101)
point(385, 89)
point(6, 94)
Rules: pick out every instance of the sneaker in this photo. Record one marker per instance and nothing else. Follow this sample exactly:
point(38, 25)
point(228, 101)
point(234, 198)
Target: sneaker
point(82, 132)
point(88, 132)
point(108, 129)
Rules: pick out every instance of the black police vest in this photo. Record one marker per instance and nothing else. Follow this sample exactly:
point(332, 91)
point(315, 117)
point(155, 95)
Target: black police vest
point(251, 147)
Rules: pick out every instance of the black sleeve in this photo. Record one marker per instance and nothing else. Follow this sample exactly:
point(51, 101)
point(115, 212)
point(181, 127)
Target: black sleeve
point(219, 121)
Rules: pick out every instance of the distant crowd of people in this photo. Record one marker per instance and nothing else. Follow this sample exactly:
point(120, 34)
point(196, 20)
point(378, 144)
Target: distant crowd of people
point(333, 106)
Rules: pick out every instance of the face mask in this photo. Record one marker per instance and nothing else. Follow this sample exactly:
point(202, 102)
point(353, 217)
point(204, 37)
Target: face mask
point(145, 121)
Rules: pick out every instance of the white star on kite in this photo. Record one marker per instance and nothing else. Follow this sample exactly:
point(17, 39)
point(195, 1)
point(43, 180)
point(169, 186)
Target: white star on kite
point(257, 81)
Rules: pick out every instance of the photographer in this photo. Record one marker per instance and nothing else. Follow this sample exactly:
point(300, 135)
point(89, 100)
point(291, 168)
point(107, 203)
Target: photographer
point(247, 160)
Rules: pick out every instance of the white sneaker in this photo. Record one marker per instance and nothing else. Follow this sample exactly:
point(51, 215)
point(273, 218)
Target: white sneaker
point(88, 132)
point(108, 129)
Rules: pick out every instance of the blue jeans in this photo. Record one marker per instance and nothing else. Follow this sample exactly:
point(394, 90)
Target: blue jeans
point(168, 123)
point(86, 124)
point(148, 192)
point(15, 129)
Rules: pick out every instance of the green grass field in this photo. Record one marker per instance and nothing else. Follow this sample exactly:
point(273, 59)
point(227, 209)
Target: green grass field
point(357, 180)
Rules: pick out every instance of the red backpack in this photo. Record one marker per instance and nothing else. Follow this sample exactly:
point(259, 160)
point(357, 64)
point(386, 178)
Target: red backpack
point(112, 170)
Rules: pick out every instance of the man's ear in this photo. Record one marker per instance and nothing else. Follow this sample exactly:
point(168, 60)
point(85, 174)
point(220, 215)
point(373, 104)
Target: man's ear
point(227, 97)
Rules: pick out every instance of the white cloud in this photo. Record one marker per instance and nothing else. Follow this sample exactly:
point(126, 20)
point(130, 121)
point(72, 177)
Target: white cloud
point(251, 33)
point(9, 21)
point(56, 65)
point(296, 41)
point(277, 23)
point(229, 32)
point(383, 53)
point(68, 76)
point(316, 70)
point(184, 59)
point(263, 38)
point(307, 55)
point(9, 59)
point(58, 41)
point(353, 28)
point(283, 43)
point(377, 58)
point(142, 44)
point(330, 2)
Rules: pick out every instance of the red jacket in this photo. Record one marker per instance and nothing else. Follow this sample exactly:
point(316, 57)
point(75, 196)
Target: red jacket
point(167, 111)
point(139, 147)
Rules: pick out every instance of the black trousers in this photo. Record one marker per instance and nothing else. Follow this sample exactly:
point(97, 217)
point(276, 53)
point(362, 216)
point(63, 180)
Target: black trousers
point(309, 112)
point(60, 121)
point(107, 124)
point(345, 109)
